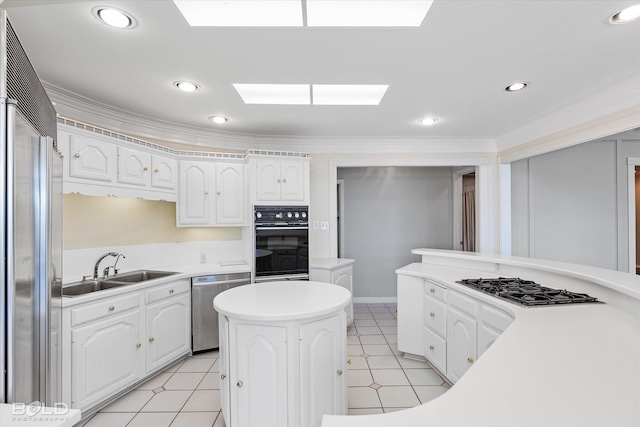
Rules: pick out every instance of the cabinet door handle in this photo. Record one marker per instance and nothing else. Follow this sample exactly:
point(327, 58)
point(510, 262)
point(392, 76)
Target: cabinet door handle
point(206, 193)
point(284, 179)
point(348, 361)
point(145, 168)
point(170, 291)
point(431, 348)
point(470, 360)
point(156, 170)
point(239, 384)
point(77, 155)
point(222, 376)
point(138, 345)
point(339, 371)
point(278, 180)
point(151, 339)
point(112, 308)
point(432, 314)
point(432, 290)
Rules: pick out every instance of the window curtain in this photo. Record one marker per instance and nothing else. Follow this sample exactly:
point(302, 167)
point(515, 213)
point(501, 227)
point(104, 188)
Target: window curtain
point(469, 220)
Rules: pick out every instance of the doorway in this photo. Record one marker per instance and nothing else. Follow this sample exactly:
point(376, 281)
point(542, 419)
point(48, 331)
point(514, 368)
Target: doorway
point(464, 209)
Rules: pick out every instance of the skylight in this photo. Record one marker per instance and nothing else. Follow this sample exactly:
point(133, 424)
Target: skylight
point(304, 94)
point(291, 13)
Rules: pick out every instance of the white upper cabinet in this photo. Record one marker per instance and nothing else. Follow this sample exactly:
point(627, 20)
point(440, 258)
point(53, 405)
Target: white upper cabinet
point(164, 172)
point(91, 159)
point(281, 180)
point(230, 193)
point(194, 200)
point(133, 166)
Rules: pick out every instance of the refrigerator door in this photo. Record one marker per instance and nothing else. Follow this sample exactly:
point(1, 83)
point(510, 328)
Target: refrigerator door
point(26, 303)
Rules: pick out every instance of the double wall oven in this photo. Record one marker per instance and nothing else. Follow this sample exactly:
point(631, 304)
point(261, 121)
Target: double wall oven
point(281, 243)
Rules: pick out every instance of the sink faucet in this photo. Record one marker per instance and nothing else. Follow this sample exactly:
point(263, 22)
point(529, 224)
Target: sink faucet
point(114, 266)
point(95, 269)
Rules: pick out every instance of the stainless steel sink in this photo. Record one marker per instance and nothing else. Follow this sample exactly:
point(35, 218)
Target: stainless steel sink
point(76, 289)
point(124, 279)
point(139, 276)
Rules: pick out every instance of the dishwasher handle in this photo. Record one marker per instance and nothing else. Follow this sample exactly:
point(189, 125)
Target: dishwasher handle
point(222, 282)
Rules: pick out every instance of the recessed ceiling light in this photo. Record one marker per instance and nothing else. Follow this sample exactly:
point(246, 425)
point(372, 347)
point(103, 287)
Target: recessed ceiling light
point(428, 121)
point(218, 119)
point(282, 94)
point(516, 87)
point(114, 17)
point(348, 94)
point(628, 14)
point(187, 86)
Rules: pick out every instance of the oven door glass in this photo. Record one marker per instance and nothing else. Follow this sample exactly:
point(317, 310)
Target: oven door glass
point(282, 251)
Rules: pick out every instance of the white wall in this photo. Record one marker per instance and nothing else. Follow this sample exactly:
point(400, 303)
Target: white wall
point(387, 212)
point(571, 205)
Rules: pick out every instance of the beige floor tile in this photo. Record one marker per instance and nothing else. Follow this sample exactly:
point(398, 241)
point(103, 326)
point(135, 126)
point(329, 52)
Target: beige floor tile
point(423, 377)
point(377, 349)
point(362, 397)
point(184, 381)
point(387, 322)
point(219, 421)
point(203, 401)
point(153, 419)
point(155, 382)
point(413, 364)
point(364, 411)
point(354, 350)
point(375, 305)
point(130, 402)
point(174, 367)
point(368, 330)
point(357, 316)
point(211, 381)
point(398, 397)
point(372, 339)
point(195, 419)
point(167, 401)
point(391, 339)
point(216, 366)
point(382, 362)
point(359, 378)
point(389, 330)
point(196, 365)
point(383, 316)
point(365, 322)
point(389, 377)
point(429, 392)
point(357, 362)
point(352, 339)
point(214, 354)
point(106, 419)
point(387, 410)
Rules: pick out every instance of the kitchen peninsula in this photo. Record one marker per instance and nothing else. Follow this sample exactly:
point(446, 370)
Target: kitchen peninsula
point(560, 365)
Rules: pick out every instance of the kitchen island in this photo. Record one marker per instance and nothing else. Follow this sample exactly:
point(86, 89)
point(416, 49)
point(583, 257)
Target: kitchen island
point(562, 365)
point(283, 353)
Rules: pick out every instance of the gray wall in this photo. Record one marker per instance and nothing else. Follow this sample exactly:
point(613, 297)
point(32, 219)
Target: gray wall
point(571, 205)
point(387, 212)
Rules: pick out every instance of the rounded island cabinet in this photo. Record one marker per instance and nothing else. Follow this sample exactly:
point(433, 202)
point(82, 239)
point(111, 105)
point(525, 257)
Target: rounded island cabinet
point(282, 353)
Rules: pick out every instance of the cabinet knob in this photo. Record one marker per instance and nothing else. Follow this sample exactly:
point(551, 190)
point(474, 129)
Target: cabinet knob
point(151, 339)
point(77, 155)
point(284, 179)
point(432, 314)
point(145, 168)
point(170, 291)
point(156, 170)
point(348, 361)
point(206, 193)
point(218, 193)
point(279, 180)
point(112, 308)
point(431, 348)
point(339, 371)
point(470, 360)
point(239, 384)
point(432, 290)
point(222, 376)
point(138, 345)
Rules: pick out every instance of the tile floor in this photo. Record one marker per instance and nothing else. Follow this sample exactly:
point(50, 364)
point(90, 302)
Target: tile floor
point(379, 380)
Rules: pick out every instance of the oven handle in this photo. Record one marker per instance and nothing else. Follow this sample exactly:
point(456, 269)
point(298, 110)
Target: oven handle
point(281, 228)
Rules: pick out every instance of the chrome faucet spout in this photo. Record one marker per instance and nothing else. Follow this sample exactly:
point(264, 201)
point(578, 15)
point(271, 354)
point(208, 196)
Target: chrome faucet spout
point(95, 268)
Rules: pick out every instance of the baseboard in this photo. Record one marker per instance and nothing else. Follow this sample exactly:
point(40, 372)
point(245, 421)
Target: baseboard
point(373, 300)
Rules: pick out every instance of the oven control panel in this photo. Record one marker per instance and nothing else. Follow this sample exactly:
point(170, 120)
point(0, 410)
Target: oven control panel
point(281, 214)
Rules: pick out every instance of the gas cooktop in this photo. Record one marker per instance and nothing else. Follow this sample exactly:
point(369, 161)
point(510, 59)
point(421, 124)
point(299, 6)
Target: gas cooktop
point(525, 292)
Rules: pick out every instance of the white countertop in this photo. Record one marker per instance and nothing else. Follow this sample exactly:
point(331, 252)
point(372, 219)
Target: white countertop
point(183, 272)
point(36, 416)
point(569, 365)
point(281, 301)
point(329, 263)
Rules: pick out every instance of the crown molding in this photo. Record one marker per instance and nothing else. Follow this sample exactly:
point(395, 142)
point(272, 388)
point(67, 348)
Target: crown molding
point(77, 107)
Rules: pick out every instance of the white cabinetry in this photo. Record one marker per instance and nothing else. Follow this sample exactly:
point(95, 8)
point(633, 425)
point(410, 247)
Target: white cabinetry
point(91, 159)
point(456, 328)
point(115, 342)
point(338, 271)
point(281, 180)
point(198, 206)
point(144, 169)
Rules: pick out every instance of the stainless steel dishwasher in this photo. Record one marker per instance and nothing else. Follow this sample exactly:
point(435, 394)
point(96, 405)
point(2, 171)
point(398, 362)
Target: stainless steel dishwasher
point(204, 318)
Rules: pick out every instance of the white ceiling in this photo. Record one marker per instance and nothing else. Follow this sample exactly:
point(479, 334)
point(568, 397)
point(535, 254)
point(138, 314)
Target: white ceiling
point(455, 66)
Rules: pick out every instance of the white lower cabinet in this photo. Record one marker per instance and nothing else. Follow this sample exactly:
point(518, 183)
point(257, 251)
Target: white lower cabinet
point(450, 329)
point(106, 357)
point(282, 374)
point(338, 271)
point(115, 342)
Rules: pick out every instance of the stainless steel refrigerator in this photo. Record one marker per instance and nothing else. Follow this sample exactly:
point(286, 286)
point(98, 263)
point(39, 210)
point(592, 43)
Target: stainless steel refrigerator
point(30, 231)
